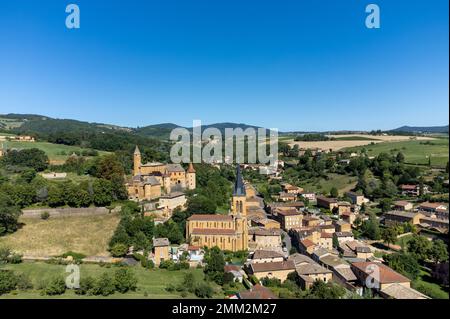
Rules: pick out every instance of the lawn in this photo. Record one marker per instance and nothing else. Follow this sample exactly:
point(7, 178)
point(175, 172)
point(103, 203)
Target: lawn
point(151, 283)
point(57, 153)
point(416, 152)
point(343, 183)
point(83, 234)
point(403, 241)
point(425, 285)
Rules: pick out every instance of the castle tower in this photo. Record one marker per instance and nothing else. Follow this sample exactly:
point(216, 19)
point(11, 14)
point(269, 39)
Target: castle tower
point(190, 177)
point(239, 201)
point(137, 161)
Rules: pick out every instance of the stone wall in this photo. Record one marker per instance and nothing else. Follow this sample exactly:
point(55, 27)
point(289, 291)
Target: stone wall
point(68, 211)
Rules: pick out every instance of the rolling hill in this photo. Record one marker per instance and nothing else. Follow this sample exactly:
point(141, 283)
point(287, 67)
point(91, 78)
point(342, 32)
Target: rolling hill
point(422, 129)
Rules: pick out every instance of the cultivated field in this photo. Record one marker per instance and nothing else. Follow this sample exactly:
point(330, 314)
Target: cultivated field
point(83, 234)
point(57, 153)
point(352, 140)
point(151, 283)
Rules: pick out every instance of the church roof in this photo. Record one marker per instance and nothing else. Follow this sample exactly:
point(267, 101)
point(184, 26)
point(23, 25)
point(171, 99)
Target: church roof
point(239, 187)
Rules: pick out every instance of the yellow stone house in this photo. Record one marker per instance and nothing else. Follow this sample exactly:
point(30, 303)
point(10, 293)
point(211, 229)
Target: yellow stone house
point(228, 232)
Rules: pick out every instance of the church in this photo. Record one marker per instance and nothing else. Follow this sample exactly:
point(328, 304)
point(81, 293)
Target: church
point(151, 180)
point(228, 232)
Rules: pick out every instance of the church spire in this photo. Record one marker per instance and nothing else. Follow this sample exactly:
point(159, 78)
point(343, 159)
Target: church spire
point(136, 150)
point(239, 187)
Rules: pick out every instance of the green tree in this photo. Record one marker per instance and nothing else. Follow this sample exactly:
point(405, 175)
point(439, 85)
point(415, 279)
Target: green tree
point(420, 247)
point(215, 263)
point(404, 263)
point(329, 290)
point(9, 215)
point(125, 280)
point(334, 192)
point(438, 252)
point(119, 250)
point(389, 235)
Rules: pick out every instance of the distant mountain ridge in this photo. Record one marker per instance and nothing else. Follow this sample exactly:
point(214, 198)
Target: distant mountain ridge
point(422, 129)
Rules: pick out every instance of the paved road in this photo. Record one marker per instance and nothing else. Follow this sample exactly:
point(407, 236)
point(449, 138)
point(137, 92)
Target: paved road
point(287, 241)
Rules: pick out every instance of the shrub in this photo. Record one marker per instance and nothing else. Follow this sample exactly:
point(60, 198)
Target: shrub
point(8, 281)
point(119, 250)
point(125, 280)
point(45, 215)
point(203, 290)
point(23, 282)
point(86, 286)
point(8, 257)
point(104, 285)
point(56, 286)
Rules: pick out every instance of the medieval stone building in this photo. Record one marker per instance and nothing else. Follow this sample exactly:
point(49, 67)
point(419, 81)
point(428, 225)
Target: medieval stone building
point(151, 180)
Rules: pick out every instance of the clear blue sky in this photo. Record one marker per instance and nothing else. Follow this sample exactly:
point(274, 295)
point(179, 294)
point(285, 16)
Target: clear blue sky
point(292, 65)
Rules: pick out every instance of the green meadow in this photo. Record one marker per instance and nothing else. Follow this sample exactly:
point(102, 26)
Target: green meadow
point(57, 153)
point(151, 283)
point(416, 152)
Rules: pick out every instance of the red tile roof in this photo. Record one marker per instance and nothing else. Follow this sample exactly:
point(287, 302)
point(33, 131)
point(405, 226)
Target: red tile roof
point(307, 243)
point(387, 275)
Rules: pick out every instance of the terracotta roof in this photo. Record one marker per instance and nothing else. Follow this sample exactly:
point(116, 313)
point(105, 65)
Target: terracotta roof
point(212, 231)
point(257, 292)
point(387, 275)
point(273, 266)
point(307, 243)
point(408, 187)
point(228, 268)
point(211, 217)
point(430, 205)
point(326, 235)
point(191, 168)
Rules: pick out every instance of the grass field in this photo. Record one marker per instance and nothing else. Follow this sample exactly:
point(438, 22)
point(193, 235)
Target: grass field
point(57, 153)
point(415, 152)
point(343, 183)
point(426, 285)
point(83, 234)
point(151, 283)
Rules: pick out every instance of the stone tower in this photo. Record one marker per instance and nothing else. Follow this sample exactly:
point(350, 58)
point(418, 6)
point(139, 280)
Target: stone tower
point(239, 205)
point(137, 161)
point(190, 177)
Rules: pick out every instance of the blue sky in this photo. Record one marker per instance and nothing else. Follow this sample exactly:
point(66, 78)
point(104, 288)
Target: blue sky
point(291, 65)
